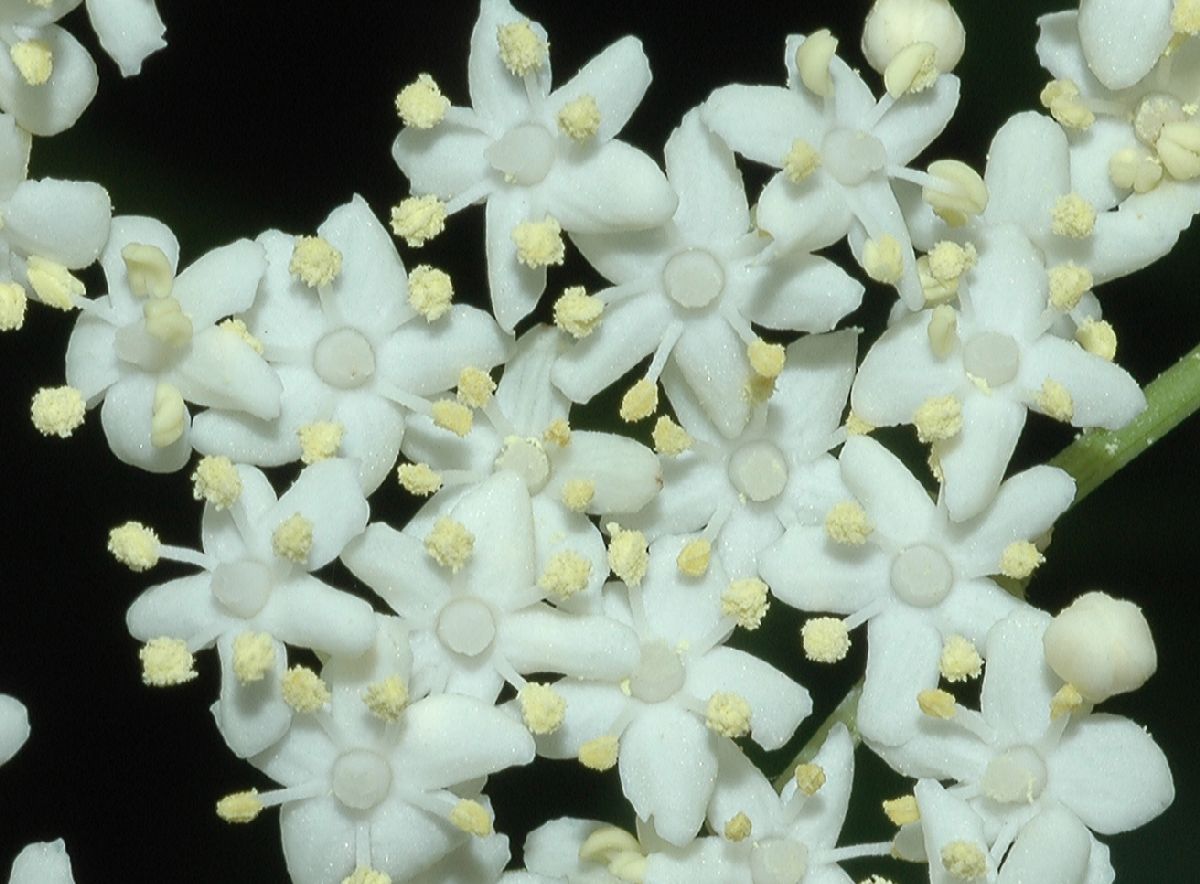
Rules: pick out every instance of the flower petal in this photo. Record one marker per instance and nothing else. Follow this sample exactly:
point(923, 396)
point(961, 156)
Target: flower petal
point(712, 196)
point(777, 704)
point(799, 292)
point(606, 188)
point(1102, 393)
point(541, 639)
point(902, 660)
point(65, 221)
point(129, 30)
point(897, 504)
point(126, 414)
point(1123, 39)
point(617, 79)
point(1018, 684)
point(55, 105)
point(251, 717)
point(974, 461)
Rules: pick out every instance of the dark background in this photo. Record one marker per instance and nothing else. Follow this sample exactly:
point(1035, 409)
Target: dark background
point(269, 115)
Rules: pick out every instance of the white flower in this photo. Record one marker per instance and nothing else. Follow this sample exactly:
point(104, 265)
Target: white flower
point(154, 342)
point(43, 862)
point(47, 78)
point(513, 150)
point(688, 291)
point(14, 727)
point(129, 30)
point(896, 560)
point(861, 145)
point(994, 358)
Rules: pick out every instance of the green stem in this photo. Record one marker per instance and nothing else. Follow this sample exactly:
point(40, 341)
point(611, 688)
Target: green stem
point(1094, 457)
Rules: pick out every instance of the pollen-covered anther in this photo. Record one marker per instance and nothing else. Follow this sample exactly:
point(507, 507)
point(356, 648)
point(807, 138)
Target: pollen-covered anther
point(134, 545)
point(938, 418)
point(168, 417)
point(738, 827)
point(566, 573)
point(606, 843)
point(1020, 559)
point(304, 690)
point(825, 639)
point(539, 243)
point(452, 416)
point(856, 426)
point(367, 875)
point(964, 860)
point(387, 698)
point(746, 600)
point(600, 753)
point(1055, 401)
point(319, 440)
point(557, 432)
point(960, 191)
point(166, 661)
point(450, 544)
point(628, 554)
point(959, 660)
point(883, 259)
point(579, 120)
point(1068, 283)
point(640, 401)
point(1066, 700)
point(216, 481)
point(315, 262)
point(812, 62)
point(475, 387)
point(1134, 168)
point(237, 327)
point(1185, 17)
point(147, 270)
point(521, 48)
point(1178, 148)
point(727, 714)
point(1072, 216)
point(471, 817)
point(948, 260)
point(57, 411)
point(1062, 99)
point(420, 104)
point(430, 291)
point(240, 807)
point(53, 283)
point(418, 479)
point(577, 313)
point(293, 538)
point(253, 656)
point(694, 557)
point(942, 330)
point(418, 219)
point(937, 703)
point(1098, 337)
point(911, 70)
point(800, 161)
point(766, 359)
point(12, 306)
point(669, 438)
point(542, 708)
point(936, 291)
point(810, 778)
point(33, 60)
point(847, 523)
point(578, 494)
point(902, 811)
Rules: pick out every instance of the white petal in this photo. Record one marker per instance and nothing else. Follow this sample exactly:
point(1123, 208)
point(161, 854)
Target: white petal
point(915, 120)
point(125, 416)
point(327, 494)
point(626, 474)
point(1103, 394)
point(497, 95)
point(900, 372)
point(712, 361)
point(608, 188)
point(762, 122)
point(55, 105)
point(806, 216)
point(617, 79)
point(43, 862)
point(251, 717)
point(448, 159)
point(1018, 685)
point(1053, 846)
point(65, 221)
point(129, 30)
point(183, 608)
point(820, 820)
point(897, 504)
point(308, 613)
point(777, 704)
point(523, 395)
point(974, 462)
point(398, 569)
point(1059, 51)
point(427, 359)
point(374, 430)
point(712, 197)
point(515, 288)
point(810, 393)
point(222, 282)
point(222, 371)
point(592, 710)
point(836, 579)
point(371, 292)
point(92, 364)
point(902, 661)
point(14, 727)
point(799, 292)
point(541, 639)
point(318, 839)
point(1123, 39)
point(1028, 169)
point(973, 607)
point(946, 818)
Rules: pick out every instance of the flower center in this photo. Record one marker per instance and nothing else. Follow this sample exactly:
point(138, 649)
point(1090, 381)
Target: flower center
point(361, 779)
point(344, 359)
point(758, 470)
point(466, 626)
point(921, 576)
point(527, 458)
point(523, 155)
point(1152, 113)
point(992, 357)
point(693, 278)
point(242, 587)
point(1016, 775)
point(778, 861)
point(153, 343)
point(850, 156)
point(659, 674)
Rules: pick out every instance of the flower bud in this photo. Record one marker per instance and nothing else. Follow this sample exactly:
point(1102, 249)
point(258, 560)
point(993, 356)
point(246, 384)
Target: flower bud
point(1101, 645)
point(893, 25)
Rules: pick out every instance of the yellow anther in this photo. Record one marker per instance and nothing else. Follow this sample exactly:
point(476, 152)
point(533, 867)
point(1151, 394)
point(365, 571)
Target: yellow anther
point(315, 262)
point(640, 401)
point(847, 523)
point(452, 416)
point(319, 440)
point(1098, 338)
point(12, 306)
point(936, 291)
point(812, 62)
point(240, 807)
point(902, 811)
point(1072, 216)
point(607, 842)
point(599, 753)
point(420, 104)
point(166, 661)
point(566, 573)
point(746, 601)
point(430, 292)
point(419, 219)
point(216, 481)
point(1185, 17)
point(579, 120)
point(883, 259)
point(1020, 559)
point(387, 698)
point(960, 660)
point(1178, 148)
point(57, 411)
point(521, 49)
point(825, 639)
point(1055, 401)
point(628, 554)
point(542, 708)
point(1068, 283)
point(801, 161)
point(938, 418)
point(367, 875)
point(738, 827)
point(293, 538)
point(693, 559)
point(964, 860)
point(959, 193)
point(1062, 99)
point(134, 545)
point(475, 387)
point(471, 817)
point(419, 479)
point(810, 778)
point(942, 330)
point(168, 417)
point(539, 243)
point(557, 432)
point(166, 321)
point(1135, 169)
point(727, 714)
point(856, 426)
point(670, 438)
point(450, 544)
point(148, 271)
point(1066, 700)
point(253, 656)
point(238, 327)
point(948, 261)
point(33, 60)
point(767, 360)
point(937, 703)
point(53, 283)
point(578, 494)
point(578, 313)
point(304, 690)
point(911, 70)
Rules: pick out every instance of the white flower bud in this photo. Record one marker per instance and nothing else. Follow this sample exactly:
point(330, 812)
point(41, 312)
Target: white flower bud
point(1101, 645)
point(893, 25)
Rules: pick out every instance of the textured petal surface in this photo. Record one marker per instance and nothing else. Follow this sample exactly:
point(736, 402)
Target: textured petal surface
point(1122, 39)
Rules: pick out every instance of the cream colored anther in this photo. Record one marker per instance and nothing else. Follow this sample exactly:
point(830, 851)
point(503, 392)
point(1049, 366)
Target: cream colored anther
point(1178, 147)
point(960, 191)
point(812, 62)
point(166, 321)
point(912, 70)
point(148, 270)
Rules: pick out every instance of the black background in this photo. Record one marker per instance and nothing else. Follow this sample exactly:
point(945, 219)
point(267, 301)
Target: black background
point(270, 114)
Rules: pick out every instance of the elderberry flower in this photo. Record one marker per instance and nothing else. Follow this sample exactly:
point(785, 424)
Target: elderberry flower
point(14, 727)
point(129, 30)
